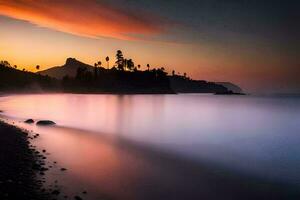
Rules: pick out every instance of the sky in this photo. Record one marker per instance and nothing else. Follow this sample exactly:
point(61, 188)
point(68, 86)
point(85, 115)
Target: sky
point(253, 43)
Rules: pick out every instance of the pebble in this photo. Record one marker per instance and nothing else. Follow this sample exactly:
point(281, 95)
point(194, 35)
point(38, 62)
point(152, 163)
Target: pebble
point(77, 198)
point(55, 192)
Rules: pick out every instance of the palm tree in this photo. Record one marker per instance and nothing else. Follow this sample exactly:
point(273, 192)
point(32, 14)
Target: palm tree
point(95, 70)
point(99, 63)
point(130, 64)
point(184, 74)
point(139, 66)
point(120, 60)
point(173, 73)
point(15, 66)
point(107, 60)
point(125, 63)
point(148, 66)
point(37, 67)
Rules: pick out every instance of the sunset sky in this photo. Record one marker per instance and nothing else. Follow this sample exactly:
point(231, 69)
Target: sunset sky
point(253, 43)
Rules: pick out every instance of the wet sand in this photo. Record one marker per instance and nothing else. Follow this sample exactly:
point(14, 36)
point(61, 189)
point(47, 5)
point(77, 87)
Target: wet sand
point(120, 169)
point(19, 165)
point(136, 172)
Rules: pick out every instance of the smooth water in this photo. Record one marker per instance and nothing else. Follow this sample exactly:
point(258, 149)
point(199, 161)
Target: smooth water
point(252, 135)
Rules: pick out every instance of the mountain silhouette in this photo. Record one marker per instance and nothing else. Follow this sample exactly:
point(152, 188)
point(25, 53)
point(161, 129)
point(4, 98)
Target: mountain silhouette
point(13, 80)
point(231, 86)
point(99, 79)
point(69, 69)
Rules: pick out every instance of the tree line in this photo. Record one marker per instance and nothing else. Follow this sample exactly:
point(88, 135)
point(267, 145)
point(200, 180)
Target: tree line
point(123, 64)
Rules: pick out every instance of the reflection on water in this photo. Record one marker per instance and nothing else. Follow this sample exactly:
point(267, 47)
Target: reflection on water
point(111, 143)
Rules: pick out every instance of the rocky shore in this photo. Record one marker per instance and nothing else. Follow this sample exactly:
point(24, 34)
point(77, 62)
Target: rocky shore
point(21, 166)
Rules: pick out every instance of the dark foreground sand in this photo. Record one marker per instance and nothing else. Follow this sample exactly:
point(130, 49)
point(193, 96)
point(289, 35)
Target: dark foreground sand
point(20, 166)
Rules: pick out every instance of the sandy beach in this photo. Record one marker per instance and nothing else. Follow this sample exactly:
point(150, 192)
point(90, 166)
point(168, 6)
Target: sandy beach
point(20, 166)
point(127, 161)
point(23, 170)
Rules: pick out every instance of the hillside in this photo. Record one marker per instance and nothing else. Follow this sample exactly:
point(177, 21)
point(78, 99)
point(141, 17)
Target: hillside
point(115, 81)
point(13, 80)
point(181, 84)
point(230, 86)
point(69, 68)
point(77, 77)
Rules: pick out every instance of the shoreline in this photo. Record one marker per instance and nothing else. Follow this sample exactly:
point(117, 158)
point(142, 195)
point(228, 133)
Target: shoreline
point(234, 185)
point(22, 166)
point(173, 169)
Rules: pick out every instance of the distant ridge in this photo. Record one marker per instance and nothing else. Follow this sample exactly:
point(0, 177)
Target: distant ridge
point(13, 80)
point(69, 69)
point(230, 86)
point(99, 79)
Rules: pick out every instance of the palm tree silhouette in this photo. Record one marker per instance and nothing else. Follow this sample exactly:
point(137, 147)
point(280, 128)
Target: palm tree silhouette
point(120, 60)
point(148, 66)
point(130, 64)
point(139, 66)
point(125, 63)
point(37, 67)
point(107, 60)
point(99, 63)
point(95, 70)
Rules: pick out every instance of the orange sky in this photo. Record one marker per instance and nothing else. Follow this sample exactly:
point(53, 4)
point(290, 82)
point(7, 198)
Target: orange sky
point(84, 18)
point(46, 32)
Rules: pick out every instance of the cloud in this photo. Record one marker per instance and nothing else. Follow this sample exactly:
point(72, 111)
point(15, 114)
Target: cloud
point(88, 18)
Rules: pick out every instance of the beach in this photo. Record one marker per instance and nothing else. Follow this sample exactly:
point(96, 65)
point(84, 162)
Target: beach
point(22, 176)
point(126, 159)
point(20, 166)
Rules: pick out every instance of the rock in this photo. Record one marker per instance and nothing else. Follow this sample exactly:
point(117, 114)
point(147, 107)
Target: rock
point(77, 198)
point(45, 123)
point(55, 192)
point(44, 169)
point(29, 121)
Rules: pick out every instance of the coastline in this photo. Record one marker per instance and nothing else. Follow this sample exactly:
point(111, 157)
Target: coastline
point(21, 165)
point(229, 184)
point(208, 175)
